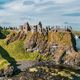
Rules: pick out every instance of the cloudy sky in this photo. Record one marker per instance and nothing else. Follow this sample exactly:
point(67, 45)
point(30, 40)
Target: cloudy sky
point(49, 12)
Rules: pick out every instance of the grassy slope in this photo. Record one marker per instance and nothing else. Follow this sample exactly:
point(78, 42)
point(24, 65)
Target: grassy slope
point(16, 51)
point(61, 38)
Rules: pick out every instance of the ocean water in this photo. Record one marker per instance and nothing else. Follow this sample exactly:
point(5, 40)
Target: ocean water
point(78, 44)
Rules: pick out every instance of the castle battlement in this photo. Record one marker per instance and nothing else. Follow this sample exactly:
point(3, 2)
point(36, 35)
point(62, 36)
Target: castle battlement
point(39, 28)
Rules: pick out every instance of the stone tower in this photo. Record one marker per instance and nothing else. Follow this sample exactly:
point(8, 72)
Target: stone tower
point(39, 27)
point(34, 29)
point(21, 27)
point(26, 27)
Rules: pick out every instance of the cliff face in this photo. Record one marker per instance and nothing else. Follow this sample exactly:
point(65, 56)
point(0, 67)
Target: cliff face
point(59, 44)
point(60, 38)
point(13, 36)
point(53, 40)
point(36, 42)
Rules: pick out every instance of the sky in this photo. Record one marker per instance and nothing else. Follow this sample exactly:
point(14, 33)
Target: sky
point(49, 12)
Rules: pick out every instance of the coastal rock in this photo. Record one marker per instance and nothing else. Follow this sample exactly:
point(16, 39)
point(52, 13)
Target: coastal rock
point(9, 71)
point(33, 70)
point(58, 42)
point(2, 78)
point(53, 47)
point(37, 42)
point(1, 72)
point(72, 59)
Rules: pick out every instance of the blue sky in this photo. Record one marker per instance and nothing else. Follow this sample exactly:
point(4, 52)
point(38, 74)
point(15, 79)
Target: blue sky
point(50, 12)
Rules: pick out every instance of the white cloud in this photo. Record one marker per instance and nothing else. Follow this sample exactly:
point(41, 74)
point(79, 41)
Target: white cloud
point(63, 1)
point(15, 11)
point(17, 6)
point(55, 1)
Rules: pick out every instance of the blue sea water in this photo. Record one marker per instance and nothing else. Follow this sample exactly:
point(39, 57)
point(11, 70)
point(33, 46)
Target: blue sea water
point(78, 44)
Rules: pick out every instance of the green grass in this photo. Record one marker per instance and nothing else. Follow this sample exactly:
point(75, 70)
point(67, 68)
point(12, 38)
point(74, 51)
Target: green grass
point(5, 32)
point(15, 50)
point(3, 64)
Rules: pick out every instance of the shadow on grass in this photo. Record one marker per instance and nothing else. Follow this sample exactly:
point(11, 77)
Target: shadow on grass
point(10, 59)
point(2, 36)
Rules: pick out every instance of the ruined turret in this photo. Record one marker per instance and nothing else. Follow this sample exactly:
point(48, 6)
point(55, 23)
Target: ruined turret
point(69, 28)
point(39, 27)
point(34, 29)
point(48, 28)
point(21, 27)
point(26, 27)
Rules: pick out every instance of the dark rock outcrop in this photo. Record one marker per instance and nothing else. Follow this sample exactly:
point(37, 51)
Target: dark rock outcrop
point(8, 72)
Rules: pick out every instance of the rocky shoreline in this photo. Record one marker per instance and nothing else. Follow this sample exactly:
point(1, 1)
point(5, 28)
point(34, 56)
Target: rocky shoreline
point(32, 70)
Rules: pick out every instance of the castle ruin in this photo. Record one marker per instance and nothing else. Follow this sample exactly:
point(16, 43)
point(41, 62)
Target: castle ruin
point(39, 28)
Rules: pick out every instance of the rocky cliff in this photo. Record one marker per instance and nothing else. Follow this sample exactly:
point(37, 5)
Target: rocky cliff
point(57, 42)
point(60, 43)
